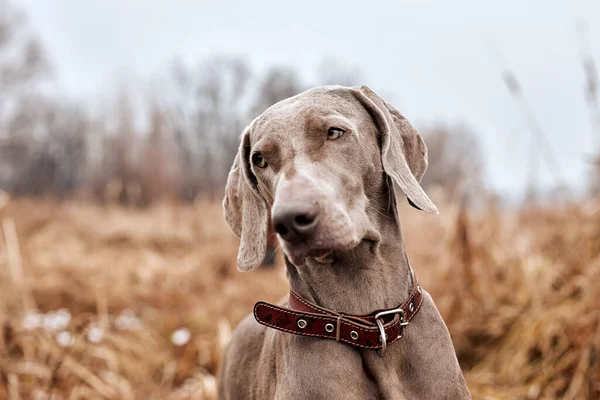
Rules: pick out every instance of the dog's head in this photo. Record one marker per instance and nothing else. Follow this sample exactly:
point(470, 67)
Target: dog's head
point(311, 165)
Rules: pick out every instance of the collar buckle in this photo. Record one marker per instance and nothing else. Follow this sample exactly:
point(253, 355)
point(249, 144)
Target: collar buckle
point(383, 336)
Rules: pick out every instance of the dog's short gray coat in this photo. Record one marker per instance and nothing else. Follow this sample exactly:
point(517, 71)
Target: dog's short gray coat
point(354, 263)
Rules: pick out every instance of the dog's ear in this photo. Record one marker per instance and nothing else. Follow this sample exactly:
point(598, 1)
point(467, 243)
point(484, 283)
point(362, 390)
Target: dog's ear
point(245, 209)
point(403, 152)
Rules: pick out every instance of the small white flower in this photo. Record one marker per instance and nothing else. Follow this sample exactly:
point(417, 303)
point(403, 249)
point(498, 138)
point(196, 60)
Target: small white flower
point(95, 334)
point(57, 320)
point(33, 321)
point(181, 336)
point(62, 318)
point(128, 321)
point(64, 339)
point(210, 385)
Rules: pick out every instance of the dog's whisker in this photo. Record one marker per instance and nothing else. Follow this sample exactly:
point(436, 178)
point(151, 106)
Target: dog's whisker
point(378, 211)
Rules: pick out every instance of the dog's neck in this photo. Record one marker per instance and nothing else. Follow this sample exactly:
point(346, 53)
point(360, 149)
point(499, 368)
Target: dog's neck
point(374, 275)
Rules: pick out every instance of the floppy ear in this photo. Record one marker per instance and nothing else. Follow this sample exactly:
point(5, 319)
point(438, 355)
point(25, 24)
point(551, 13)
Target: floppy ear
point(403, 152)
point(245, 209)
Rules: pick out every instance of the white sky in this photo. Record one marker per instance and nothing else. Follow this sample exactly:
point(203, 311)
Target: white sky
point(436, 60)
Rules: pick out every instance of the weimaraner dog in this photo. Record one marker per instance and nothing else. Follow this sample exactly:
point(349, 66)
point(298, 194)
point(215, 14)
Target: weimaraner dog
point(319, 167)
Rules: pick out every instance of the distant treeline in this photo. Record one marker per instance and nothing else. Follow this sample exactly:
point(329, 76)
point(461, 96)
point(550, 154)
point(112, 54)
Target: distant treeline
point(172, 139)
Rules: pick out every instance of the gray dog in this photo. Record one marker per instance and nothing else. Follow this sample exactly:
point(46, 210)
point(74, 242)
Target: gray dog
point(319, 167)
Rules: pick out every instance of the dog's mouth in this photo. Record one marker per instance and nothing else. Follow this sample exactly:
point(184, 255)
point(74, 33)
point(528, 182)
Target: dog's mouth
point(297, 253)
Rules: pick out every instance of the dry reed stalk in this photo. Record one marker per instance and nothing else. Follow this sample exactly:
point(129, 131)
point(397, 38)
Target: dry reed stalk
point(84, 393)
point(576, 388)
point(209, 385)
point(94, 381)
point(31, 369)
point(102, 308)
point(110, 357)
point(223, 335)
point(120, 383)
point(13, 387)
point(168, 374)
point(4, 324)
point(15, 263)
point(4, 199)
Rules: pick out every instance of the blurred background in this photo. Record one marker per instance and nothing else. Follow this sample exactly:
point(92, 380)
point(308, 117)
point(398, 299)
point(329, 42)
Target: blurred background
point(119, 121)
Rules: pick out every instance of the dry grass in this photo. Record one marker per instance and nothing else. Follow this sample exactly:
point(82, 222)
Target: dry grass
point(107, 303)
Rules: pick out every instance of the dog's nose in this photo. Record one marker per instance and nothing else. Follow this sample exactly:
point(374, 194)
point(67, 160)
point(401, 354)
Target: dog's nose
point(296, 221)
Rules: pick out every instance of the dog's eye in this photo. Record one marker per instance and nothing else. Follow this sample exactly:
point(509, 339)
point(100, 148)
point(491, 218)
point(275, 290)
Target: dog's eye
point(259, 160)
point(335, 133)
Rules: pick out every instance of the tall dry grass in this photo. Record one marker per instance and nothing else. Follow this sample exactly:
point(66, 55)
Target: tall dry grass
point(106, 302)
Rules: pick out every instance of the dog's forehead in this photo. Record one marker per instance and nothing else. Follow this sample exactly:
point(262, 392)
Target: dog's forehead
point(294, 113)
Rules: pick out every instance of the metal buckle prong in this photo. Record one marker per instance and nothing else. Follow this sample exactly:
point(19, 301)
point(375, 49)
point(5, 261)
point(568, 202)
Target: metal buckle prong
point(382, 334)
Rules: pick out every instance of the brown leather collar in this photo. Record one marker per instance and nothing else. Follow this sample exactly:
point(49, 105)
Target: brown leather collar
point(372, 331)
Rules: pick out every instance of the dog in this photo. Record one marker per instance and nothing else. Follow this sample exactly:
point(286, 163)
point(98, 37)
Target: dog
point(320, 167)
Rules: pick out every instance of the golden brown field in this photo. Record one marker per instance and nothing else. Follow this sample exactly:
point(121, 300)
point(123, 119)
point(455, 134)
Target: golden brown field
point(97, 302)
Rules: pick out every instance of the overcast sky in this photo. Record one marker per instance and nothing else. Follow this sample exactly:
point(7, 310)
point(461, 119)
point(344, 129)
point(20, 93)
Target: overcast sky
point(437, 60)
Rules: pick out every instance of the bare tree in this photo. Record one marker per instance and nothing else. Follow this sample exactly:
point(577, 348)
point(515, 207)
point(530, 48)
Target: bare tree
point(277, 84)
point(22, 58)
point(206, 118)
point(22, 65)
point(55, 161)
point(157, 173)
